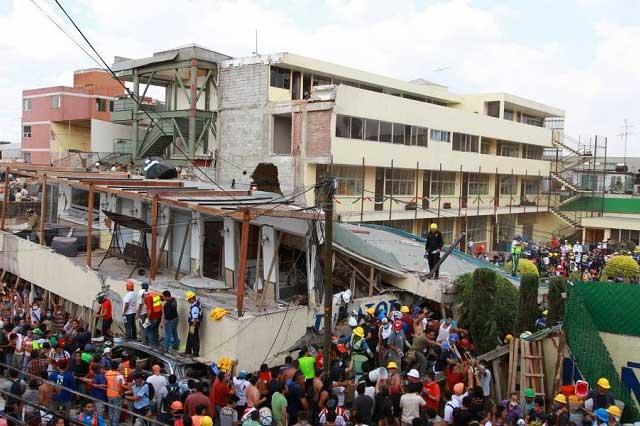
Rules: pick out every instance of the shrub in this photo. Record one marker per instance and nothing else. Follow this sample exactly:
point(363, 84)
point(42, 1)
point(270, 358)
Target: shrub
point(506, 305)
point(482, 310)
point(622, 266)
point(525, 266)
point(557, 286)
point(528, 306)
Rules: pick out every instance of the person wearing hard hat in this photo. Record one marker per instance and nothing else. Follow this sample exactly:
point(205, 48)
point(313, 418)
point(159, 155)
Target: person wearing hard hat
point(195, 316)
point(560, 416)
point(358, 343)
point(601, 417)
point(130, 307)
point(614, 415)
point(396, 342)
point(106, 314)
point(527, 404)
point(407, 321)
point(602, 396)
point(432, 248)
point(517, 245)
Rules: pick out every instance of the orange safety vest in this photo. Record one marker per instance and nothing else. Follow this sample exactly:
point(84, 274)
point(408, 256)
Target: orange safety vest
point(153, 301)
point(114, 389)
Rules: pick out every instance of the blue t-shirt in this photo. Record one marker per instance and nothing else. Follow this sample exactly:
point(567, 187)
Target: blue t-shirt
point(143, 393)
point(65, 379)
point(91, 420)
point(99, 393)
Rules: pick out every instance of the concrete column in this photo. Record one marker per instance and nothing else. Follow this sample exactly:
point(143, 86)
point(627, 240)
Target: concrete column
point(229, 251)
point(269, 241)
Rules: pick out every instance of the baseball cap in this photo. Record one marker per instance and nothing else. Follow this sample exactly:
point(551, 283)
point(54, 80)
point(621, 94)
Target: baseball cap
point(413, 373)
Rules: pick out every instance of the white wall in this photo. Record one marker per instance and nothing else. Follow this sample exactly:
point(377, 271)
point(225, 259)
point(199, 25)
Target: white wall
point(103, 134)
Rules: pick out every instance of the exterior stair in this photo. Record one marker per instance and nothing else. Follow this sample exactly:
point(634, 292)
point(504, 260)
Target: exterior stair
point(565, 218)
point(566, 183)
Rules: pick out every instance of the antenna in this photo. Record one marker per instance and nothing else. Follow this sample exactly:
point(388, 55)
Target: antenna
point(625, 134)
point(255, 52)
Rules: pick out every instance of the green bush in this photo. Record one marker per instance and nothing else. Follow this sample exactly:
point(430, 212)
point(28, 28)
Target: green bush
point(557, 286)
point(482, 310)
point(525, 266)
point(528, 306)
point(506, 302)
point(622, 266)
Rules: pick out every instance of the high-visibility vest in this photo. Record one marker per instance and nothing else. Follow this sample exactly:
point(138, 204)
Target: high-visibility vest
point(114, 389)
point(153, 301)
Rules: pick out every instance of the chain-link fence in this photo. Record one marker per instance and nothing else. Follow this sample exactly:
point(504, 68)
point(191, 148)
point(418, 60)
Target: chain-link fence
point(608, 307)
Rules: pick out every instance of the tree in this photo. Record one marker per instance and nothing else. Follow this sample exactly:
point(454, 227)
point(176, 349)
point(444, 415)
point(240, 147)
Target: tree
point(525, 266)
point(528, 306)
point(622, 266)
point(557, 286)
point(482, 310)
point(506, 306)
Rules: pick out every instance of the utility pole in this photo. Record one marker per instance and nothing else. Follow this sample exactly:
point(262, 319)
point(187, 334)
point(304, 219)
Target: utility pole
point(329, 190)
point(624, 135)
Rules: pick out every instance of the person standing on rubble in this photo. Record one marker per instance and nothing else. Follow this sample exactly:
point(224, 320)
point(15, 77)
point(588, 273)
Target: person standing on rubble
point(432, 248)
point(130, 306)
point(195, 316)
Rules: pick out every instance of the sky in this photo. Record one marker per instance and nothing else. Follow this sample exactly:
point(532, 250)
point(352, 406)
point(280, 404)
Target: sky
point(577, 55)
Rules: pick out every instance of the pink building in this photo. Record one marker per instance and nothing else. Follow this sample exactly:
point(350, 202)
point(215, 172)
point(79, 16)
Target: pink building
point(58, 119)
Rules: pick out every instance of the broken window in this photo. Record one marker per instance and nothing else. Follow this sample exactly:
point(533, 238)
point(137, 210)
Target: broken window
point(282, 134)
point(280, 78)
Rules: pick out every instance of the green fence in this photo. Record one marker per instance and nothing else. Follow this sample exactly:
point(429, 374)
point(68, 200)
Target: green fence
point(608, 307)
point(606, 204)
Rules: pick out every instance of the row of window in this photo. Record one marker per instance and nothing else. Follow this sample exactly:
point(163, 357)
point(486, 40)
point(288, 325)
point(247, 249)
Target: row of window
point(404, 134)
point(56, 103)
point(402, 182)
point(380, 131)
point(282, 78)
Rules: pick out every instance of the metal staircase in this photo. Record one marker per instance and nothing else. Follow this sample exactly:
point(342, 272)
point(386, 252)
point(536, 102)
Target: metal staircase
point(565, 217)
point(165, 132)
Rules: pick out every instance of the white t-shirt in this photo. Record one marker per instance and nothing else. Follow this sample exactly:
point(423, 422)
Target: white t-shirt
point(132, 299)
point(240, 386)
point(143, 307)
point(445, 331)
point(448, 410)
point(159, 384)
point(410, 404)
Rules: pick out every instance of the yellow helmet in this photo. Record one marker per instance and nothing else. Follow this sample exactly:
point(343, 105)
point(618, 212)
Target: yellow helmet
point(392, 365)
point(615, 411)
point(603, 383)
point(560, 398)
point(358, 331)
point(190, 295)
point(371, 311)
point(508, 338)
point(405, 309)
point(433, 226)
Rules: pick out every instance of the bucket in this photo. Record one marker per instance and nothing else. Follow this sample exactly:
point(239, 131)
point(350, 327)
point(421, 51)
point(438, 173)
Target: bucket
point(381, 373)
point(582, 388)
point(568, 390)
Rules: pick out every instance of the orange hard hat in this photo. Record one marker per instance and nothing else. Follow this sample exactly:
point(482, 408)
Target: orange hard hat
point(129, 285)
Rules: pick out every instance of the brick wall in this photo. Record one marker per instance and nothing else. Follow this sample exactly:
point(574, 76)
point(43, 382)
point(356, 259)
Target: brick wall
point(319, 133)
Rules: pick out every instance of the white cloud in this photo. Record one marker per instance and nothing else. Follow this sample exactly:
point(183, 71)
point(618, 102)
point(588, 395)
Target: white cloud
point(398, 38)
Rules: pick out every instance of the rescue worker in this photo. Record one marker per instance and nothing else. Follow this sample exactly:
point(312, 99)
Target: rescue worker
point(516, 252)
point(142, 310)
point(115, 387)
point(432, 249)
point(153, 305)
point(106, 315)
point(130, 305)
point(359, 349)
point(195, 316)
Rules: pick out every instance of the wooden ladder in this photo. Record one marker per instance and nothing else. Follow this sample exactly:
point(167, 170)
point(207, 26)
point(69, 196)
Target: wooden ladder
point(526, 367)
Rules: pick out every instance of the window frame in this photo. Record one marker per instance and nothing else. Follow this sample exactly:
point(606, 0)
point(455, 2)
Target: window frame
point(473, 228)
point(101, 105)
point(437, 132)
point(367, 122)
point(279, 80)
point(504, 144)
point(350, 182)
point(27, 105)
point(441, 180)
point(476, 181)
point(512, 185)
point(400, 182)
point(27, 134)
point(56, 105)
point(532, 184)
point(464, 142)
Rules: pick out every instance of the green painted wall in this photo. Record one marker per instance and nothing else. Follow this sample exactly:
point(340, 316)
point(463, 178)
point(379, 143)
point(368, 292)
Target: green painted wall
point(611, 205)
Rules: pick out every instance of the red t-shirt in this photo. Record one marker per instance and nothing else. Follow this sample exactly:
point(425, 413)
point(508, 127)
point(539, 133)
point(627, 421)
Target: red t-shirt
point(453, 377)
point(106, 307)
point(220, 393)
point(432, 389)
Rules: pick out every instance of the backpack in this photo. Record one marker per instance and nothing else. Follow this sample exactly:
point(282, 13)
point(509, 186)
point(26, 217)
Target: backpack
point(151, 391)
point(172, 395)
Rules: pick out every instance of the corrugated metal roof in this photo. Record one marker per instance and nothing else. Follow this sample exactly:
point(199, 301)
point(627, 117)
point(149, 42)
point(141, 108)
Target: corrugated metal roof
point(345, 238)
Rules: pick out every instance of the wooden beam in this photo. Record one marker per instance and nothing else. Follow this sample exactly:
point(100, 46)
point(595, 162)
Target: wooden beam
point(165, 238)
point(154, 237)
point(184, 244)
point(244, 251)
point(372, 271)
point(133, 182)
point(43, 209)
point(90, 224)
point(5, 197)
